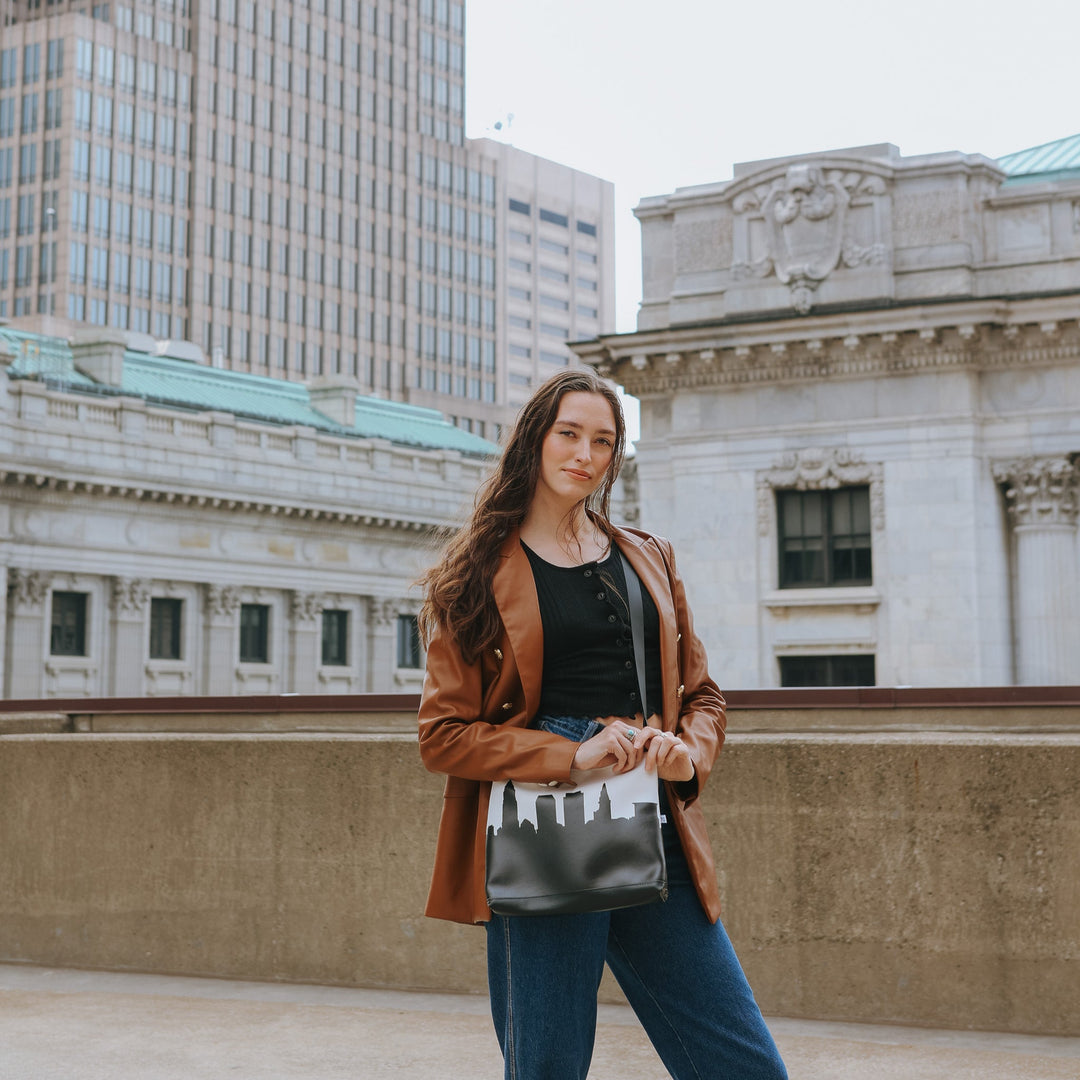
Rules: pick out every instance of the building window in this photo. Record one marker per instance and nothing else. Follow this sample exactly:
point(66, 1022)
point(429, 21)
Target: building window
point(335, 638)
point(554, 219)
point(165, 628)
point(68, 637)
point(824, 537)
point(519, 207)
point(408, 642)
point(254, 633)
point(827, 671)
point(586, 228)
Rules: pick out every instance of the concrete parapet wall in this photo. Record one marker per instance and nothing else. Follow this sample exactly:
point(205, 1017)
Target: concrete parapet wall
point(918, 877)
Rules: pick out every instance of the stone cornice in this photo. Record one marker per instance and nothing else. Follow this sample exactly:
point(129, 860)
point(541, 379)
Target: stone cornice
point(53, 482)
point(983, 335)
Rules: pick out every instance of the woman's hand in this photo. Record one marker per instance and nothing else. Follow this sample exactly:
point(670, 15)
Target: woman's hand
point(667, 754)
point(619, 745)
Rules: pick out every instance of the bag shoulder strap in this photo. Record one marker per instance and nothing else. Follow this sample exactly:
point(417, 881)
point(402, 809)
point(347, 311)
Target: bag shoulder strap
point(637, 628)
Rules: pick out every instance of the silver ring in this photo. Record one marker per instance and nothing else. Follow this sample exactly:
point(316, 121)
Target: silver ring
point(630, 733)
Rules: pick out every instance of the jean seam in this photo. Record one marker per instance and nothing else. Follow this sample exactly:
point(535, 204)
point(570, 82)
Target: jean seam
point(511, 1057)
point(614, 937)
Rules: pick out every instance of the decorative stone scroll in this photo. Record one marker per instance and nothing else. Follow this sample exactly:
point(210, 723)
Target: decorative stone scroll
point(806, 234)
point(128, 596)
point(1040, 491)
point(818, 469)
point(28, 588)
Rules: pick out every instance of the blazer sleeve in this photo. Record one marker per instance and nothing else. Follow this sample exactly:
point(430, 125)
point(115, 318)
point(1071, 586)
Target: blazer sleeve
point(459, 736)
point(702, 720)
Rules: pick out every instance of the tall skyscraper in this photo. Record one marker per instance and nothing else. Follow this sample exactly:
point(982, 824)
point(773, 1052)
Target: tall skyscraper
point(288, 186)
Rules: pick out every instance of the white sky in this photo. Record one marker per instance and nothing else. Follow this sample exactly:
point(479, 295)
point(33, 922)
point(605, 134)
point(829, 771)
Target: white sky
point(659, 94)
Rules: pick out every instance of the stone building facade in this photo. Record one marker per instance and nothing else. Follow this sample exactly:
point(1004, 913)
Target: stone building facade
point(859, 377)
point(152, 545)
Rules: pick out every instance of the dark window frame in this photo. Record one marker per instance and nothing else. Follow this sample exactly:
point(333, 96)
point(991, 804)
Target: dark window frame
point(67, 634)
point(254, 633)
point(837, 552)
point(840, 669)
point(166, 628)
point(335, 637)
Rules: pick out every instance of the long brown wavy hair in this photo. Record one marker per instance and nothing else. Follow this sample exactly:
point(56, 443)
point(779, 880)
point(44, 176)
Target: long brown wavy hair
point(458, 596)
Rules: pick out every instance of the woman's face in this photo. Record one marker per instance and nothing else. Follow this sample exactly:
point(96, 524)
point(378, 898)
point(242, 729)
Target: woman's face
point(576, 452)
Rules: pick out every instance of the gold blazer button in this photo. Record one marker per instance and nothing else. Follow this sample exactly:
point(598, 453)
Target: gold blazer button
point(507, 706)
point(498, 654)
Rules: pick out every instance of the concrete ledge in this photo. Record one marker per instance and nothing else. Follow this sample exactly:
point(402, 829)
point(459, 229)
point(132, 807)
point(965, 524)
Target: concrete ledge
point(913, 878)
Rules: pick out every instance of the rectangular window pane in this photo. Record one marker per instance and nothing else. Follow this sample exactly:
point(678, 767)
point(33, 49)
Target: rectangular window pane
point(165, 616)
point(408, 642)
point(335, 638)
point(254, 633)
point(824, 537)
point(68, 633)
point(827, 670)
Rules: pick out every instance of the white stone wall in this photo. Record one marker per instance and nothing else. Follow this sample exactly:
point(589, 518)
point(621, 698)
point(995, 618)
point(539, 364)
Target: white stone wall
point(126, 502)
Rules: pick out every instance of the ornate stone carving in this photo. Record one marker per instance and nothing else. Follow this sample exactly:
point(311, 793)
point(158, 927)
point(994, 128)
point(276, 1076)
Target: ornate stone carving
point(128, 596)
point(806, 237)
point(1040, 490)
point(817, 469)
point(384, 612)
point(306, 607)
point(222, 600)
point(28, 588)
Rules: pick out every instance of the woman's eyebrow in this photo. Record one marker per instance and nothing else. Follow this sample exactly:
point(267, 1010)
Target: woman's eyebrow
point(575, 424)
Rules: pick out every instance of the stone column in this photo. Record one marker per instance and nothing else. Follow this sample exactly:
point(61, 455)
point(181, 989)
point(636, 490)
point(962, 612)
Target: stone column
point(305, 641)
point(127, 676)
point(382, 645)
point(1042, 495)
point(222, 645)
point(28, 630)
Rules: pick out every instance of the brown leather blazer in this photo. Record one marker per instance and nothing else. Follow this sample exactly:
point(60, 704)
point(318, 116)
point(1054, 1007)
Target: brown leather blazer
point(473, 723)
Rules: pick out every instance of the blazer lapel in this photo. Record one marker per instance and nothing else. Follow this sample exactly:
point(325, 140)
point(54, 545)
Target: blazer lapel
point(645, 557)
point(515, 597)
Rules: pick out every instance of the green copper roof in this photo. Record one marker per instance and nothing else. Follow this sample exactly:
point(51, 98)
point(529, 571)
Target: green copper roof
point(182, 384)
point(1058, 160)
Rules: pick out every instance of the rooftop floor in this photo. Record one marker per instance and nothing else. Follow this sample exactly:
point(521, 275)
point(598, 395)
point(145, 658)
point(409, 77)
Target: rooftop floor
point(88, 1025)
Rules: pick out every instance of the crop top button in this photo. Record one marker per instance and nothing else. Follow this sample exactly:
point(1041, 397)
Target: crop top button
point(588, 573)
point(629, 664)
point(600, 595)
point(612, 618)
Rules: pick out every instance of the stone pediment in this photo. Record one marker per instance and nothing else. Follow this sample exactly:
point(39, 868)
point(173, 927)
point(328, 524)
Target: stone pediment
point(800, 224)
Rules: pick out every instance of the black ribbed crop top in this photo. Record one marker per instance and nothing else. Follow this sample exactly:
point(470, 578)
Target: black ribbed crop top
point(588, 647)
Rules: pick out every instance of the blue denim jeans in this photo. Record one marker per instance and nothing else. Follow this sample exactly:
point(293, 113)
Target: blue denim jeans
point(677, 970)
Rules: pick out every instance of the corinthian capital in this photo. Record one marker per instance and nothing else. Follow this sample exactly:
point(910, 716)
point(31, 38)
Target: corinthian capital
point(129, 595)
point(306, 607)
point(1040, 490)
point(28, 588)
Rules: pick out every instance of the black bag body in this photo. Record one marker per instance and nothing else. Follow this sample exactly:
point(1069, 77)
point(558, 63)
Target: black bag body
point(591, 846)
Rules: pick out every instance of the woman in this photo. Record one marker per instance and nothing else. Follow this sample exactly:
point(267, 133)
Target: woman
point(530, 674)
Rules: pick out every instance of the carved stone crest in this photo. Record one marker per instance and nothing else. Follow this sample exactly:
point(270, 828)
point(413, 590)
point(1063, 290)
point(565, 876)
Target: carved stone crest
point(805, 214)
